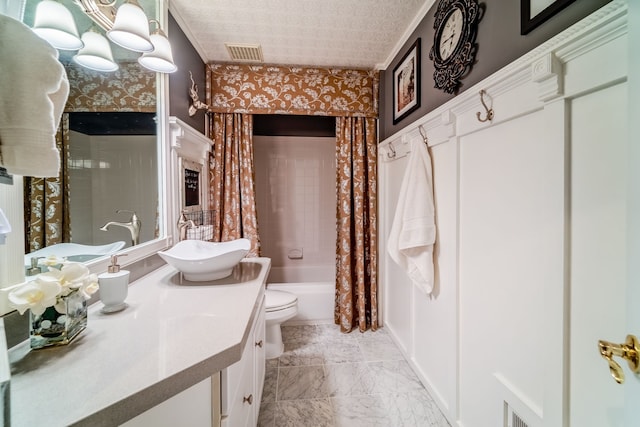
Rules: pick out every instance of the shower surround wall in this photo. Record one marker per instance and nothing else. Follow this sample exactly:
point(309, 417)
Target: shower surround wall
point(107, 173)
point(296, 203)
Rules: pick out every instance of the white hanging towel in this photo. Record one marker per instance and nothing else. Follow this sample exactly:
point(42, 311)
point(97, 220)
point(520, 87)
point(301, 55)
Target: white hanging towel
point(413, 232)
point(33, 92)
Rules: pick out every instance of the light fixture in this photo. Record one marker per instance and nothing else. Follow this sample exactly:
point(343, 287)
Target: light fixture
point(54, 23)
point(96, 53)
point(126, 26)
point(131, 28)
point(160, 59)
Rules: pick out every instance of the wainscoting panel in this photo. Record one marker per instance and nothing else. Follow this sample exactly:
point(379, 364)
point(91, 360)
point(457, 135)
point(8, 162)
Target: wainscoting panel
point(496, 335)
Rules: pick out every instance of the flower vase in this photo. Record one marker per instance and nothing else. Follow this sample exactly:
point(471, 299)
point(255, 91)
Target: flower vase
point(53, 328)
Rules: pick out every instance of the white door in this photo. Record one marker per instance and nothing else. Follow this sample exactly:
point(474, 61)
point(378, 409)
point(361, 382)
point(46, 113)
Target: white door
point(632, 385)
point(605, 248)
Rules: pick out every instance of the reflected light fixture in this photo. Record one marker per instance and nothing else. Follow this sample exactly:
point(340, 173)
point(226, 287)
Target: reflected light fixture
point(131, 28)
point(161, 58)
point(96, 53)
point(54, 23)
point(126, 26)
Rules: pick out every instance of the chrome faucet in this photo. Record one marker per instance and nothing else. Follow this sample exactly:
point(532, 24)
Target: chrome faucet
point(183, 225)
point(133, 226)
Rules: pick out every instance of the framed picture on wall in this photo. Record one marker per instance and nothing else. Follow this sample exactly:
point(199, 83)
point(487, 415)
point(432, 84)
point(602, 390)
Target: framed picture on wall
point(192, 188)
point(406, 83)
point(535, 12)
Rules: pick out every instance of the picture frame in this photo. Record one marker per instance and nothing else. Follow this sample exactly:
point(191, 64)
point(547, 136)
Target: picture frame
point(192, 194)
point(406, 83)
point(535, 12)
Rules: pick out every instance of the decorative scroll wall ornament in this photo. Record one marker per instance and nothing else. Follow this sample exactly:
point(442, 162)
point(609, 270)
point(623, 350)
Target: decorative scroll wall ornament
point(127, 89)
point(548, 73)
point(196, 104)
point(267, 89)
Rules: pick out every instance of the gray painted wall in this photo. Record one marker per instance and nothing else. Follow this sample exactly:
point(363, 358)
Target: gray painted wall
point(187, 59)
point(499, 43)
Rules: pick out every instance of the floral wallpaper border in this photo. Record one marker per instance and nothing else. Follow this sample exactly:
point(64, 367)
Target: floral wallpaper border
point(271, 89)
point(129, 89)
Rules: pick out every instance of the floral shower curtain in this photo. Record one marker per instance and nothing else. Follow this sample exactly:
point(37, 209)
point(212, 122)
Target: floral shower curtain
point(356, 247)
point(232, 188)
point(350, 95)
point(46, 201)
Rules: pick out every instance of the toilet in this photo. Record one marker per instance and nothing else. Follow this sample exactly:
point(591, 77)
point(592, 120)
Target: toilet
point(280, 306)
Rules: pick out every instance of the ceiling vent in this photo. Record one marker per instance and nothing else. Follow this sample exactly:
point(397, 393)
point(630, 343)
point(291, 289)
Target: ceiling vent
point(245, 52)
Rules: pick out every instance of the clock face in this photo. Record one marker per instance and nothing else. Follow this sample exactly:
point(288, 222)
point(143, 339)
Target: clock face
point(451, 32)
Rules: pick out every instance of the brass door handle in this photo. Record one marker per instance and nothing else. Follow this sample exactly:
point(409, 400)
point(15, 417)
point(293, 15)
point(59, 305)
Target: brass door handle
point(630, 351)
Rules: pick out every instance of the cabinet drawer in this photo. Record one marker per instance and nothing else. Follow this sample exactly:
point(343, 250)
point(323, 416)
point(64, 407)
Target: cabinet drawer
point(232, 378)
point(240, 406)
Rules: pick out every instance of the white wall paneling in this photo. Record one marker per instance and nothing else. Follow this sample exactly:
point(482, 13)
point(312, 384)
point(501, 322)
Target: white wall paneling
point(598, 237)
point(498, 328)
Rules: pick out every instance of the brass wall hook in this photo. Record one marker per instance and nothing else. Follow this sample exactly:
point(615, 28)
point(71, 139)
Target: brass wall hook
point(489, 111)
point(392, 153)
point(423, 133)
point(630, 351)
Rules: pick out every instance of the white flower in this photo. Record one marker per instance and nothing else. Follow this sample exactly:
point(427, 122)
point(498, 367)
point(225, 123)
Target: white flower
point(89, 286)
point(48, 289)
point(36, 295)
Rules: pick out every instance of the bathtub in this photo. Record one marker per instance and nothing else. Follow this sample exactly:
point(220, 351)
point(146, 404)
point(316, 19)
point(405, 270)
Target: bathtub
point(314, 287)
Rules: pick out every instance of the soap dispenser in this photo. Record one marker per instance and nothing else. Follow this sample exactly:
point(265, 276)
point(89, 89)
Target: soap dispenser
point(114, 287)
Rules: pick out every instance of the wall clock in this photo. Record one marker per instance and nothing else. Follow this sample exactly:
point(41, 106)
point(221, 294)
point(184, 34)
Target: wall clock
point(454, 46)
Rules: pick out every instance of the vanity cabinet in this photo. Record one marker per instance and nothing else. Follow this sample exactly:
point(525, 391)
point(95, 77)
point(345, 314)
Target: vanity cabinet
point(242, 382)
point(196, 406)
point(230, 398)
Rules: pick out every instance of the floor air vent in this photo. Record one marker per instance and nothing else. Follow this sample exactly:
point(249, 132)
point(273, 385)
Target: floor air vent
point(245, 52)
point(511, 419)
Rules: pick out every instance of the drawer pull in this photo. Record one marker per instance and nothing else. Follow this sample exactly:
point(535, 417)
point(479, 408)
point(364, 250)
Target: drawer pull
point(248, 400)
point(259, 344)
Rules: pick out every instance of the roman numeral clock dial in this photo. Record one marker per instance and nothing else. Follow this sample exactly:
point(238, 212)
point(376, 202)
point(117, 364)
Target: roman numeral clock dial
point(454, 47)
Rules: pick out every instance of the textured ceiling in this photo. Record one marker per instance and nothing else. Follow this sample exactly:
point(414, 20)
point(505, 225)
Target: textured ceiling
point(342, 33)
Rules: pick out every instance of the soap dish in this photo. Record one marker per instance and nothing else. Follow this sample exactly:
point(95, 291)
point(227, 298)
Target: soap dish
point(114, 308)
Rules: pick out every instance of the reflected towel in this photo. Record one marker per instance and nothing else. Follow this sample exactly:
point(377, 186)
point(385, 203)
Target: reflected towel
point(33, 92)
point(413, 232)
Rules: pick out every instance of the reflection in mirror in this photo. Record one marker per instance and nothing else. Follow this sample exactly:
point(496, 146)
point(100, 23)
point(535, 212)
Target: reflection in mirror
point(108, 188)
point(113, 184)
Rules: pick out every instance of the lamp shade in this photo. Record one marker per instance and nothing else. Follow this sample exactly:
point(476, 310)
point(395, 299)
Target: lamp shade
point(96, 53)
point(161, 59)
point(131, 28)
point(54, 23)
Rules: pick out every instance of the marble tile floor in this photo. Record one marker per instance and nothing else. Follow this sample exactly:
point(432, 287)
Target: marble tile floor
point(329, 379)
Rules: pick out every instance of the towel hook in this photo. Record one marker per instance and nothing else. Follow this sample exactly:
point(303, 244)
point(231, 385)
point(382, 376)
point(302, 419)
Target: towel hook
point(424, 135)
point(489, 111)
point(392, 154)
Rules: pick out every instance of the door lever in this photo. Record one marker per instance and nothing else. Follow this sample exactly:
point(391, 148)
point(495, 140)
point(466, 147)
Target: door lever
point(630, 351)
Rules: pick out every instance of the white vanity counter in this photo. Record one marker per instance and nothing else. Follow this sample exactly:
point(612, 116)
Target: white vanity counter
point(169, 338)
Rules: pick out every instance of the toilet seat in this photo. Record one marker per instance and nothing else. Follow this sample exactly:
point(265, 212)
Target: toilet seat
point(279, 300)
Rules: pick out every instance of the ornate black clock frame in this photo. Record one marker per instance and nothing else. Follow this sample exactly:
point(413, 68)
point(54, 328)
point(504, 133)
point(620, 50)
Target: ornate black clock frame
point(452, 68)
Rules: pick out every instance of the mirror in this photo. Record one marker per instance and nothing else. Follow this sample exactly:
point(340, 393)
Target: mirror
point(113, 126)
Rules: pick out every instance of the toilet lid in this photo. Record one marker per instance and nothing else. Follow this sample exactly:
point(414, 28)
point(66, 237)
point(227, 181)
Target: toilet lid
point(279, 300)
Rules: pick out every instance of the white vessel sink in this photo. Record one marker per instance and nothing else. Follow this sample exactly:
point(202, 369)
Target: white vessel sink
point(199, 261)
point(74, 251)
